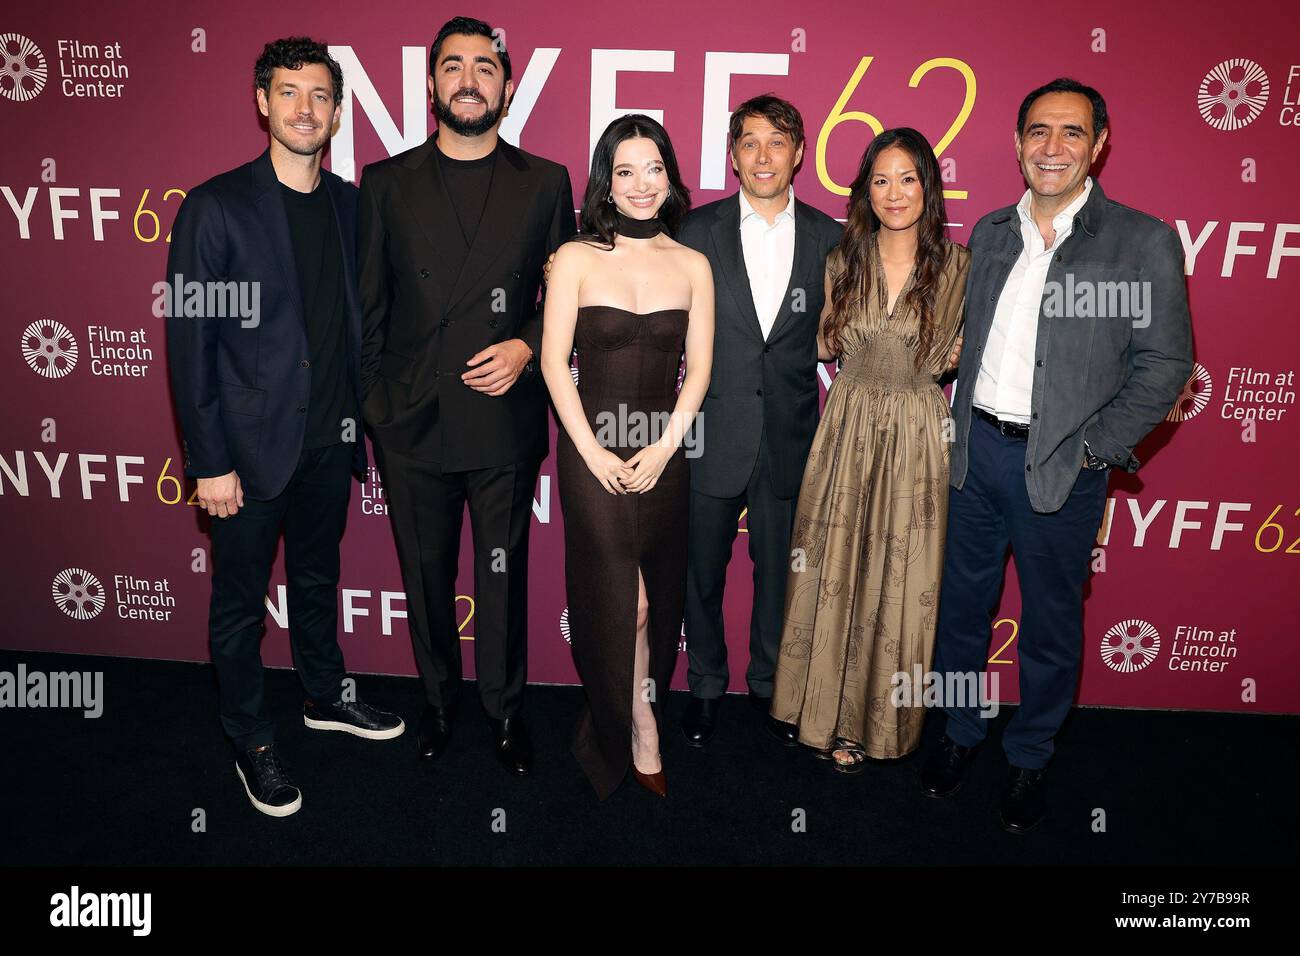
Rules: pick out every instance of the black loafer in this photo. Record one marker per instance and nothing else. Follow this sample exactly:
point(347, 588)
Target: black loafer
point(944, 770)
point(701, 720)
point(1024, 805)
point(513, 748)
point(435, 731)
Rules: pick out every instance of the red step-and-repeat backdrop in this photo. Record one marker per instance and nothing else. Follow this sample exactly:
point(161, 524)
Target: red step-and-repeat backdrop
point(111, 112)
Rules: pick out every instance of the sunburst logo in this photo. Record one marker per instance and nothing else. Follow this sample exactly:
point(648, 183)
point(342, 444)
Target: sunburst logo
point(1233, 94)
point(1194, 396)
point(564, 626)
point(1130, 646)
point(23, 70)
point(49, 348)
point(78, 593)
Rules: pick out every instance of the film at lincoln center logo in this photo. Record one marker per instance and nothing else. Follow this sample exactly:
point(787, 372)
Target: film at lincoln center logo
point(78, 593)
point(1233, 94)
point(1130, 646)
point(23, 70)
point(49, 348)
point(1194, 396)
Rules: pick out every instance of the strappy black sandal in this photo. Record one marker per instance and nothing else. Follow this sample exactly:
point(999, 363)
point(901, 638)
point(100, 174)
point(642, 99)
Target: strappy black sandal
point(857, 756)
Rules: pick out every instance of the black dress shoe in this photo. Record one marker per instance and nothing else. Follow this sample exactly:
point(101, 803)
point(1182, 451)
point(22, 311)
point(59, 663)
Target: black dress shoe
point(1024, 805)
point(353, 717)
point(700, 720)
point(944, 770)
point(435, 731)
point(785, 734)
point(513, 748)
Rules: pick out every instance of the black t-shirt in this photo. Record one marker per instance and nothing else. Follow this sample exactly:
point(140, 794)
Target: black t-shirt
point(314, 233)
point(468, 182)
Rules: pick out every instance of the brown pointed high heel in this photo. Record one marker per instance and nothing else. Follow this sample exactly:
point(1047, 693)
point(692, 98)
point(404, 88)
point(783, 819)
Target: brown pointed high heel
point(655, 782)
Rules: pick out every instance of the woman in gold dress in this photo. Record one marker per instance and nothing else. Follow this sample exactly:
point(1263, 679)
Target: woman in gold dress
point(867, 548)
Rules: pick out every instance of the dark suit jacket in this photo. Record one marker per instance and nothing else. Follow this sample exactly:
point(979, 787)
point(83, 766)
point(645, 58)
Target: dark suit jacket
point(422, 322)
point(241, 392)
point(759, 385)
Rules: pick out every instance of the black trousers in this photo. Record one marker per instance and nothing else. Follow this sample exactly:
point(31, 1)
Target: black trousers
point(312, 510)
point(427, 506)
point(711, 535)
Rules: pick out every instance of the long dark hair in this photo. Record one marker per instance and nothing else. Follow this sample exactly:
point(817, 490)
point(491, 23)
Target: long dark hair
point(599, 219)
point(852, 289)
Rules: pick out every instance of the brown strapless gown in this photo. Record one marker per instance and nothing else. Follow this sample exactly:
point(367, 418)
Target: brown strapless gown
point(630, 360)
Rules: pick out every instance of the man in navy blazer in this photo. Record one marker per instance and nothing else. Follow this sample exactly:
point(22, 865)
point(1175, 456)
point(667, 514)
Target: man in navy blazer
point(264, 348)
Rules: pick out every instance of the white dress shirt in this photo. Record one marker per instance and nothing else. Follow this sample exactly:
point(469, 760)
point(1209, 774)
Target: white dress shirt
point(769, 257)
point(1006, 377)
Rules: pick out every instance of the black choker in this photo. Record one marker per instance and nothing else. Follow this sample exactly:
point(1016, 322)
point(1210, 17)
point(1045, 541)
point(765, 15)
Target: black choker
point(637, 228)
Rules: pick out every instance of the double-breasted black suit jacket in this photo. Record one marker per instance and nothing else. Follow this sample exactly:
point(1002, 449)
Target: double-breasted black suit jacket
point(422, 322)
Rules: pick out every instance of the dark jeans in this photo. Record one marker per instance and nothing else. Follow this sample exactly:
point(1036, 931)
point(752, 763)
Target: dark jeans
point(712, 533)
point(1052, 553)
point(312, 510)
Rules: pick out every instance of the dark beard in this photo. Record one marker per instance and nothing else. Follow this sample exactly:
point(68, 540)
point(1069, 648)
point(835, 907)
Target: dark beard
point(467, 127)
point(301, 151)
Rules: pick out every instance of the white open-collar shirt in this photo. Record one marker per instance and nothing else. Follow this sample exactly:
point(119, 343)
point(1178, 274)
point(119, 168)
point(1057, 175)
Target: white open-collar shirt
point(769, 257)
point(1006, 377)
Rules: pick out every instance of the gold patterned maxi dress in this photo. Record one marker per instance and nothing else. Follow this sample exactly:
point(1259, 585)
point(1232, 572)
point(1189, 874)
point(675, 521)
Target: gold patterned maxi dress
point(863, 591)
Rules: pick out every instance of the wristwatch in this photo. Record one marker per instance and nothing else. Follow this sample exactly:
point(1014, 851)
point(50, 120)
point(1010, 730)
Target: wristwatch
point(1091, 461)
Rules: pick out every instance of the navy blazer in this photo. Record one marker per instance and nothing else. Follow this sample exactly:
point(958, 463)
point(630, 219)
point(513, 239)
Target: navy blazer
point(241, 387)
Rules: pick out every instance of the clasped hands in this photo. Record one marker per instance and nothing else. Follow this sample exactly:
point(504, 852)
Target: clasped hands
point(638, 474)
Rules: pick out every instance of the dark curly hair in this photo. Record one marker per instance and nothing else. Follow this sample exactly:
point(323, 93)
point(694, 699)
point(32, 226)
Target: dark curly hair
point(293, 53)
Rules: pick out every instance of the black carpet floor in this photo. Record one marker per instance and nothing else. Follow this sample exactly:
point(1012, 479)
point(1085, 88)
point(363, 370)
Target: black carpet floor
point(1126, 787)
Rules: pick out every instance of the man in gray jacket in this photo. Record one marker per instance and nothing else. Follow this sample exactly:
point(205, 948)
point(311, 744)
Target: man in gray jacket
point(1077, 343)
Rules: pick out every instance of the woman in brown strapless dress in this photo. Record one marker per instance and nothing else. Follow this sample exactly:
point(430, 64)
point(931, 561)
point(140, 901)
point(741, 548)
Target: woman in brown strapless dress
point(623, 477)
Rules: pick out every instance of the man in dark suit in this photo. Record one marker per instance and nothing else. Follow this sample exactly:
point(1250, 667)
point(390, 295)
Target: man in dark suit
point(768, 253)
point(452, 238)
point(268, 396)
point(1050, 397)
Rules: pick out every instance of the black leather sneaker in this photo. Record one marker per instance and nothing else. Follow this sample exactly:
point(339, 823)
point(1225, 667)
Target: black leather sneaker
point(944, 770)
point(353, 717)
point(266, 783)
